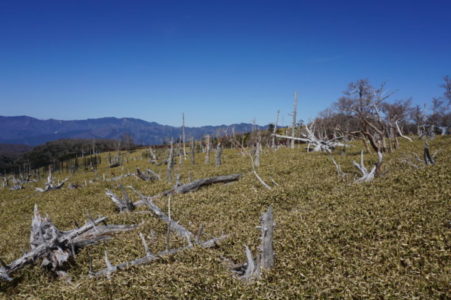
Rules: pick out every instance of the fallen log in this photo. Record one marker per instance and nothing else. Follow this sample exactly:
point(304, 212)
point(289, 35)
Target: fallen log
point(192, 186)
point(56, 247)
point(149, 257)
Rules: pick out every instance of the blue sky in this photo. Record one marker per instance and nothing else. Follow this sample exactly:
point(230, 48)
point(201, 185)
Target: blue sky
point(219, 62)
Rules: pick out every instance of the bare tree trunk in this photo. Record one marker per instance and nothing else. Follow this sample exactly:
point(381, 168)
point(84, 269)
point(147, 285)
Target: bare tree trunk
point(293, 124)
point(193, 151)
point(275, 131)
point(258, 149)
point(218, 154)
point(183, 135)
point(207, 149)
point(170, 162)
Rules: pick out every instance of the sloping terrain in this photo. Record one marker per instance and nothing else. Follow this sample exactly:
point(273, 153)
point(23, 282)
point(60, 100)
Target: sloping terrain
point(389, 238)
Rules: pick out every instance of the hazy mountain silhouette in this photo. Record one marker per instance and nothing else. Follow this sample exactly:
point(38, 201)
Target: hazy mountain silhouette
point(31, 131)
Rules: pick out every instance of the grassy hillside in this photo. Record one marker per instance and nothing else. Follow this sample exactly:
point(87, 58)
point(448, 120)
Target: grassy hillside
point(389, 238)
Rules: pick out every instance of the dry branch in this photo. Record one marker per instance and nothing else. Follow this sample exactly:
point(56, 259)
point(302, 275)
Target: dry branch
point(311, 139)
point(50, 184)
point(56, 247)
point(149, 257)
point(367, 175)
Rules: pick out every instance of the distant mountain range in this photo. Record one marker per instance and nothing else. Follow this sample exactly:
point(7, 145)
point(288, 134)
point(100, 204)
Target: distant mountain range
point(31, 131)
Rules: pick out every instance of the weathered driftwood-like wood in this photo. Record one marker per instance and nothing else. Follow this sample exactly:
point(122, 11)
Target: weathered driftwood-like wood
point(195, 185)
point(252, 269)
point(149, 257)
point(183, 135)
point(147, 175)
point(153, 157)
point(50, 184)
point(367, 175)
point(266, 248)
point(258, 150)
point(338, 168)
point(119, 177)
point(261, 180)
point(172, 225)
point(193, 152)
point(170, 160)
point(218, 156)
point(123, 204)
point(207, 149)
point(56, 247)
point(318, 144)
point(400, 132)
point(428, 159)
point(190, 187)
point(294, 115)
point(273, 142)
point(415, 161)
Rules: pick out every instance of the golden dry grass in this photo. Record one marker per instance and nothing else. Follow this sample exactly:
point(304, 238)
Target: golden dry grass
point(333, 239)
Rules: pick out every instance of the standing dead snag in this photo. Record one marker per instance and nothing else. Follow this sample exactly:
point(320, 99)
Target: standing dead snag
point(193, 151)
point(153, 156)
point(294, 114)
point(207, 149)
point(170, 162)
point(56, 248)
point(218, 155)
point(428, 159)
point(252, 269)
point(273, 143)
point(258, 150)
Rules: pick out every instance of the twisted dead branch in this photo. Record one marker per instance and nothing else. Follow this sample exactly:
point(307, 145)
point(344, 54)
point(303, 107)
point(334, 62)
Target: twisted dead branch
point(50, 184)
point(55, 248)
point(318, 144)
point(368, 175)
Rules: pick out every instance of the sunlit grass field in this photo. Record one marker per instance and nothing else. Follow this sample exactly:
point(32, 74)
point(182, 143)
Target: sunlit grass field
point(389, 238)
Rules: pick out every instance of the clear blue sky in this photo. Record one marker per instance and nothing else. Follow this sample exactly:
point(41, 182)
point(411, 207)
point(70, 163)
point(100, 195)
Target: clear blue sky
point(220, 62)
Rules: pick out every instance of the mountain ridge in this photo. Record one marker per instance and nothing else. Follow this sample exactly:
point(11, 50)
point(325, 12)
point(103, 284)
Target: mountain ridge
point(31, 131)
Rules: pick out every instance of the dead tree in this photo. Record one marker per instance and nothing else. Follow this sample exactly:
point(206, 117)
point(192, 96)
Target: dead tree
point(193, 152)
point(192, 186)
point(417, 162)
point(153, 156)
point(368, 175)
point(56, 248)
point(252, 269)
point(207, 149)
point(50, 184)
point(147, 175)
point(123, 204)
point(274, 131)
point(183, 135)
point(150, 257)
point(258, 150)
point(170, 162)
point(318, 144)
point(293, 123)
point(218, 156)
